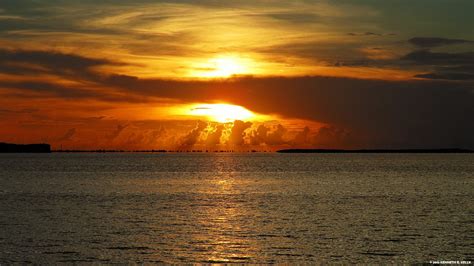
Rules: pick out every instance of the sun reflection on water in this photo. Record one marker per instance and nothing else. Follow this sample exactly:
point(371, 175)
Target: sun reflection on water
point(222, 217)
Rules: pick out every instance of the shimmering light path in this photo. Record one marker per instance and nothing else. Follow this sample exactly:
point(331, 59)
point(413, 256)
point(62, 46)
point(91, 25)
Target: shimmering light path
point(258, 208)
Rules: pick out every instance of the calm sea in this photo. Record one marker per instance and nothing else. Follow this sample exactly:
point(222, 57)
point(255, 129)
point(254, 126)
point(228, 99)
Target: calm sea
point(255, 208)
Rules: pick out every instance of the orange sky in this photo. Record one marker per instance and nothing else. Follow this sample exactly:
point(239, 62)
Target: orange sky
point(177, 74)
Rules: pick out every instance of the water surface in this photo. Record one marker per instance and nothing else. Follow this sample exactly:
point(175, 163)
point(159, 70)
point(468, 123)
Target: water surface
point(256, 208)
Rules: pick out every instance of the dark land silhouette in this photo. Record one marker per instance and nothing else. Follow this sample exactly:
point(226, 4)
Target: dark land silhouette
point(109, 151)
point(46, 148)
point(24, 148)
point(376, 151)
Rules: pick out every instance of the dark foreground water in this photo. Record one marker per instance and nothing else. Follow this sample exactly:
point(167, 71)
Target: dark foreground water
point(256, 208)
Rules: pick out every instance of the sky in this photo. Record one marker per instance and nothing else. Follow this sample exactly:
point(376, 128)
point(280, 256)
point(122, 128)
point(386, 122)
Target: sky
point(237, 75)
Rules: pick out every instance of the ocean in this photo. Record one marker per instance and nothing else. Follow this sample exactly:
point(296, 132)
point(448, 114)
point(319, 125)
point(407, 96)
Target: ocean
point(236, 207)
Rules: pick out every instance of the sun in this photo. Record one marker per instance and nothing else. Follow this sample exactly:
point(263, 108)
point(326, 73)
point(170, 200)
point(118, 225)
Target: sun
point(222, 67)
point(221, 113)
point(226, 67)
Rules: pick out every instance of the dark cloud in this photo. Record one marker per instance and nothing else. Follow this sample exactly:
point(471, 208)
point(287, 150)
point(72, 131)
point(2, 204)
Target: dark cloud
point(193, 136)
point(51, 59)
point(460, 68)
point(372, 34)
point(237, 133)
point(430, 42)
point(67, 66)
point(39, 89)
point(330, 137)
point(368, 33)
point(267, 135)
point(50, 62)
point(259, 135)
point(447, 76)
point(214, 137)
point(354, 63)
point(302, 137)
point(48, 90)
point(275, 137)
point(449, 66)
point(378, 113)
point(426, 57)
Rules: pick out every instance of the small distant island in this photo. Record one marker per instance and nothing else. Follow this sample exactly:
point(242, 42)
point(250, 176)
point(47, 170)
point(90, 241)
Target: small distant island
point(24, 148)
point(376, 151)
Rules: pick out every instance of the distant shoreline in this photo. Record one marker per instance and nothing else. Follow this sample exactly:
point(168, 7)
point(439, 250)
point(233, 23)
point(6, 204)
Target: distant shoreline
point(158, 151)
point(376, 151)
point(46, 148)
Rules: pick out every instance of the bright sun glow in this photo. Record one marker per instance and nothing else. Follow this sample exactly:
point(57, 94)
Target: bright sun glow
point(222, 67)
point(221, 112)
